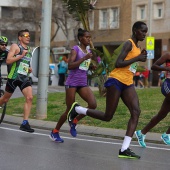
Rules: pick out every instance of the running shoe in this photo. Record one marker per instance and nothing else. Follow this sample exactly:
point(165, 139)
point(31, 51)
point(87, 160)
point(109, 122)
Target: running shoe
point(56, 137)
point(141, 138)
point(166, 138)
point(128, 154)
point(26, 128)
point(72, 113)
point(73, 131)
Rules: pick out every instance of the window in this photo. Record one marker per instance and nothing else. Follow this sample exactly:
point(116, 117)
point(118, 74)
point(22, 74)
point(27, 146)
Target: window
point(109, 18)
point(103, 24)
point(7, 12)
point(114, 17)
point(158, 10)
point(141, 12)
point(28, 13)
point(11, 35)
point(17, 13)
point(91, 20)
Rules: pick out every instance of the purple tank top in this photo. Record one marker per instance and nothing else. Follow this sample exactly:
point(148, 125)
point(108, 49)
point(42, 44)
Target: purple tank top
point(77, 76)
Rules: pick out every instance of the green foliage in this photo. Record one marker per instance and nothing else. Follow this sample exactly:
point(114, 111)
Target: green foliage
point(107, 60)
point(140, 69)
point(79, 10)
point(115, 55)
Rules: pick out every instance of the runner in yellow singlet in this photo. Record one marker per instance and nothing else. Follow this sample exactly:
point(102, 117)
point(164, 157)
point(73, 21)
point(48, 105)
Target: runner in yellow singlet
point(120, 85)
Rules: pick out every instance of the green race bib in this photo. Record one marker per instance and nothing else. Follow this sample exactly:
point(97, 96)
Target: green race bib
point(85, 65)
point(133, 68)
point(23, 68)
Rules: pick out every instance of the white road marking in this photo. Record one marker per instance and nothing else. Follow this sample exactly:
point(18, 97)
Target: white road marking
point(86, 140)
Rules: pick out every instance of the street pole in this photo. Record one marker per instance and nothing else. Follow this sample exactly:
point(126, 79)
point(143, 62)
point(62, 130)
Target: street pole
point(41, 109)
point(150, 34)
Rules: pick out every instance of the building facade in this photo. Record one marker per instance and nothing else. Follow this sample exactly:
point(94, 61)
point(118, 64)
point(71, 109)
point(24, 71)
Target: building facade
point(156, 13)
point(16, 15)
point(110, 23)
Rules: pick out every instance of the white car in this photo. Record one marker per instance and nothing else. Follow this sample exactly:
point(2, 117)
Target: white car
point(34, 80)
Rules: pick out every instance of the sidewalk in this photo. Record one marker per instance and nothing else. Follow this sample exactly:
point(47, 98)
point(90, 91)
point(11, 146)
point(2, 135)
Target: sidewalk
point(81, 129)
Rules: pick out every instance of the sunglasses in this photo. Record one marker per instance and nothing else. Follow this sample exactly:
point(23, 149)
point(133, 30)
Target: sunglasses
point(3, 44)
point(26, 35)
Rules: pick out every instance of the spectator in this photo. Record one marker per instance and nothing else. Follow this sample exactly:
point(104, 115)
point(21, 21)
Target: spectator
point(62, 70)
point(161, 78)
point(145, 77)
point(138, 80)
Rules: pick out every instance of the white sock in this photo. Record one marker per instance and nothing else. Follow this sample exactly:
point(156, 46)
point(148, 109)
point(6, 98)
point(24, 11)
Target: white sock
point(126, 143)
point(81, 110)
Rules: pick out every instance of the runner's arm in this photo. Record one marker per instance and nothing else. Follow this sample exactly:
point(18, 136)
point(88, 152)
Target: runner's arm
point(12, 52)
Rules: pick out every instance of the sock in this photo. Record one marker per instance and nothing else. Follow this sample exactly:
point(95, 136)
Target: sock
point(126, 143)
point(25, 122)
point(81, 110)
point(75, 121)
point(55, 131)
point(142, 133)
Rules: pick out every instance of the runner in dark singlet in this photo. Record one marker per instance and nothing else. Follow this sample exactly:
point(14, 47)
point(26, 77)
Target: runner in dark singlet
point(165, 109)
point(19, 58)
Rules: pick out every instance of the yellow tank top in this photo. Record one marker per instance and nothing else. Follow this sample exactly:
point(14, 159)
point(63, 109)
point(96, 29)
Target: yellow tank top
point(125, 74)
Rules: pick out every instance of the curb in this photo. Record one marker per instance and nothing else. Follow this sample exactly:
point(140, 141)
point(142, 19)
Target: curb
point(83, 129)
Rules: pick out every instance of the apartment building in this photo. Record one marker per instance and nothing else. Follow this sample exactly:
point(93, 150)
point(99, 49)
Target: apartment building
point(113, 21)
point(110, 24)
point(156, 13)
point(16, 15)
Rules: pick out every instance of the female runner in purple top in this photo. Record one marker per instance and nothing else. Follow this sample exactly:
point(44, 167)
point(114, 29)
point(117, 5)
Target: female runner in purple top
point(78, 65)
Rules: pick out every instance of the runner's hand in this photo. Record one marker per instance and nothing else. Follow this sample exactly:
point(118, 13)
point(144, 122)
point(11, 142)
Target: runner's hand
point(142, 57)
point(24, 53)
point(89, 55)
point(29, 70)
point(144, 51)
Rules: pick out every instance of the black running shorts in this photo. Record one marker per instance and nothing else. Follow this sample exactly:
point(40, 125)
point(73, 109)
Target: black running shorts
point(13, 83)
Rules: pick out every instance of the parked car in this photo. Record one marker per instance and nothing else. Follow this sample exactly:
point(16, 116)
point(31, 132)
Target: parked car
point(34, 80)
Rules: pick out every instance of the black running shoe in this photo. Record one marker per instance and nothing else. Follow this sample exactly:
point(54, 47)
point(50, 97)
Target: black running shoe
point(26, 128)
point(128, 154)
point(72, 113)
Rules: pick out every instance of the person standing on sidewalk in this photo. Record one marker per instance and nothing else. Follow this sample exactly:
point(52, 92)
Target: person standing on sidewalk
point(120, 85)
point(62, 70)
point(146, 77)
point(78, 64)
point(165, 108)
point(19, 58)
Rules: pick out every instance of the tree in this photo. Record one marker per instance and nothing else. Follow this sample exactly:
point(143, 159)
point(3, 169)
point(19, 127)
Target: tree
point(80, 11)
point(63, 20)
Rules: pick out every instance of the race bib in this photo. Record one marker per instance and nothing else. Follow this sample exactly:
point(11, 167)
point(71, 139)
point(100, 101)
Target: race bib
point(133, 68)
point(23, 68)
point(85, 65)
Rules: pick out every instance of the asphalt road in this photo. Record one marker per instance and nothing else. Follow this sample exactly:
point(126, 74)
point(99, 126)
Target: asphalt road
point(20, 150)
